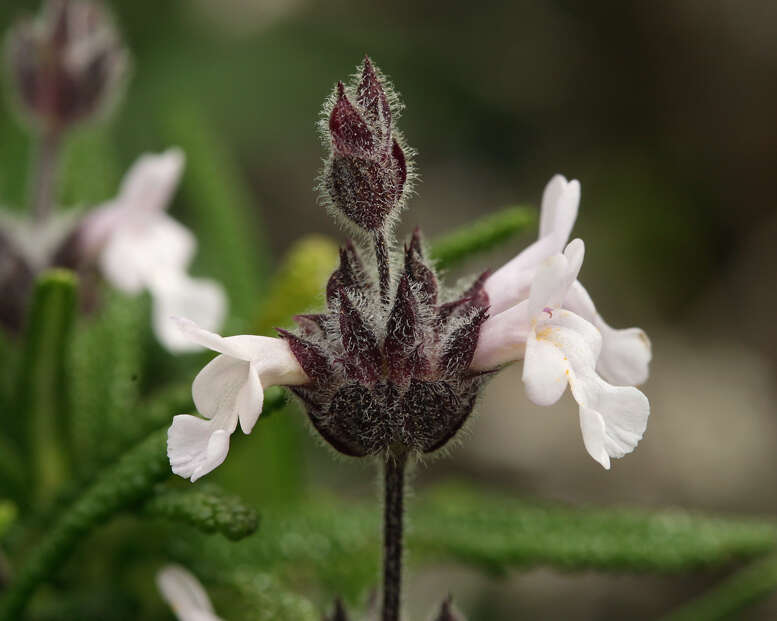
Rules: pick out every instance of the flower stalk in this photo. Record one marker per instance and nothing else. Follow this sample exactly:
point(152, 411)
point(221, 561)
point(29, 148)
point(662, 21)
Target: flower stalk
point(44, 174)
point(393, 515)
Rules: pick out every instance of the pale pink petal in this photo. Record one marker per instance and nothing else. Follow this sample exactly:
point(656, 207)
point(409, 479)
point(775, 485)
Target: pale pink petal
point(560, 202)
point(509, 284)
point(554, 277)
point(626, 353)
point(502, 338)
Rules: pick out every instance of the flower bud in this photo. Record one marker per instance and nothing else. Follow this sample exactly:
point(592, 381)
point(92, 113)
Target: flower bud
point(366, 173)
point(66, 63)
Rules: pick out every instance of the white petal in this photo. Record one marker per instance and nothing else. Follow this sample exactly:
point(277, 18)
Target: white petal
point(594, 433)
point(623, 411)
point(502, 338)
point(218, 384)
point(150, 182)
point(210, 340)
point(184, 594)
point(560, 202)
point(177, 294)
point(554, 277)
point(545, 371)
point(250, 400)
point(196, 446)
point(626, 354)
point(560, 346)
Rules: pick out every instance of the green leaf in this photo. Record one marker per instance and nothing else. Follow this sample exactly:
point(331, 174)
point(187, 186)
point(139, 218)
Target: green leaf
point(207, 508)
point(106, 369)
point(221, 208)
point(481, 235)
point(744, 588)
point(498, 533)
point(41, 402)
point(119, 487)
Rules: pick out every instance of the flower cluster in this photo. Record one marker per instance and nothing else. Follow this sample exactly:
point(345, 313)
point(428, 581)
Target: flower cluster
point(395, 362)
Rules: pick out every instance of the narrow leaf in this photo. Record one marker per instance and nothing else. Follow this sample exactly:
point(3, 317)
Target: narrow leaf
point(481, 235)
point(498, 533)
point(207, 508)
point(42, 396)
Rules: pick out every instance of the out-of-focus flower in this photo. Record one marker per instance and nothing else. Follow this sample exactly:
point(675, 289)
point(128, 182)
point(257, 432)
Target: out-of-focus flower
point(139, 247)
point(67, 62)
point(561, 348)
point(229, 389)
point(185, 594)
point(625, 353)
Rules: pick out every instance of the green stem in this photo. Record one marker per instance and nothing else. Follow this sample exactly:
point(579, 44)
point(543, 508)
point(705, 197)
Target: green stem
point(44, 174)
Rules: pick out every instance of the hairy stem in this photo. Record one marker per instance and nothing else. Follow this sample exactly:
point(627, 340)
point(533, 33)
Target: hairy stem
point(44, 173)
point(393, 513)
point(384, 270)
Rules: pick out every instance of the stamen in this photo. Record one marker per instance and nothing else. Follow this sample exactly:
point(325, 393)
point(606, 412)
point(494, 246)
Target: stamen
point(548, 310)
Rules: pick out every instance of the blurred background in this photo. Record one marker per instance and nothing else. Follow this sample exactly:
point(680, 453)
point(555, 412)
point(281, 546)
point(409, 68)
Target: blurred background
point(666, 114)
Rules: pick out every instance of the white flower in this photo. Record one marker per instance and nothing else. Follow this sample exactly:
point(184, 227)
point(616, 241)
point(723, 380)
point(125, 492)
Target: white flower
point(625, 353)
point(139, 247)
point(228, 390)
point(561, 348)
point(185, 595)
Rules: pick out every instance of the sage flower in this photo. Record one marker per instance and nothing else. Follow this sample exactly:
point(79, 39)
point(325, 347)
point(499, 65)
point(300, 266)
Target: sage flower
point(626, 354)
point(561, 348)
point(230, 389)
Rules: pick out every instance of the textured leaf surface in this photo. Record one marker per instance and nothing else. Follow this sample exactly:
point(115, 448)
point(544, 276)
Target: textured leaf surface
point(497, 533)
point(207, 508)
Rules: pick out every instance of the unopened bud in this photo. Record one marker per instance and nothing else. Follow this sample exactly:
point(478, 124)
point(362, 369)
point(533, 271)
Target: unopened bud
point(366, 174)
point(66, 63)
